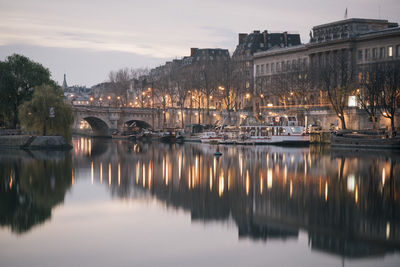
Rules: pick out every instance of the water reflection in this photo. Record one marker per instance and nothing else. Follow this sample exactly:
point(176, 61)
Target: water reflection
point(347, 202)
point(31, 185)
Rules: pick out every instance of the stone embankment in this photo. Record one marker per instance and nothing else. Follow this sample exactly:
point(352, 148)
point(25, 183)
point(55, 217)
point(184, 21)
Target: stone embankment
point(34, 142)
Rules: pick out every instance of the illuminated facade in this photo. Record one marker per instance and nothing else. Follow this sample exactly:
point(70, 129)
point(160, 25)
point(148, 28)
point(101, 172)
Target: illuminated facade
point(283, 74)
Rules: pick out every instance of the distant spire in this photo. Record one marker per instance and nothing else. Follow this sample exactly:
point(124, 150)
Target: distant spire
point(64, 85)
point(345, 14)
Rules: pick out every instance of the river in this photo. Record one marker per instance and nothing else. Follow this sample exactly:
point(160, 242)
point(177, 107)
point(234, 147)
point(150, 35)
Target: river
point(118, 203)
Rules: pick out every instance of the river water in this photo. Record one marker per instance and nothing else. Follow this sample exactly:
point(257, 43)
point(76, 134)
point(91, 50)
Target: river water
point(118, 203)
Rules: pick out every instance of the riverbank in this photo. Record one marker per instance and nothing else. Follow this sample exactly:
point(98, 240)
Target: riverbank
point(34, 142)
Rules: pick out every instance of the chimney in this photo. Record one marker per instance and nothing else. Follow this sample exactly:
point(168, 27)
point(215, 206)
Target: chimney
point(242, 36)
point(265, 35)
point(193, 51)
point(285, 38)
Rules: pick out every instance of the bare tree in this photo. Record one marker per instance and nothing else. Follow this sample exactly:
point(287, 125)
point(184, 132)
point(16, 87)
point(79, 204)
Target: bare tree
point(120, 82)
point(390, 95)
point(336, 78)
point(226, 85)
point(371, 81)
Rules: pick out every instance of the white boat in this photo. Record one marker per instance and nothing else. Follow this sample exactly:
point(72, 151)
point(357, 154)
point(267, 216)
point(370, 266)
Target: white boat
point(210, 138)
point(279, 132)
point(229, 135)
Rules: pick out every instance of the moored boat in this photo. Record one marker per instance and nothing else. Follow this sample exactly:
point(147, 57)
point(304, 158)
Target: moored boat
point(210, 138)
point(276, 132)
point(363, 140)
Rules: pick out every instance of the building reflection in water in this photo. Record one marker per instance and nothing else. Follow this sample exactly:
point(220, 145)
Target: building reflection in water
point(347, 202)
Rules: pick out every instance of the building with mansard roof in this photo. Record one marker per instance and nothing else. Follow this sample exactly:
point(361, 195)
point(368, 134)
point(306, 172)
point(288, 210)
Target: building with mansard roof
point(256, 42)
point(363, 41)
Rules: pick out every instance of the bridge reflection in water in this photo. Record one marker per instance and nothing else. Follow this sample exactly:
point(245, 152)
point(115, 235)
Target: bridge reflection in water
point(348, 203)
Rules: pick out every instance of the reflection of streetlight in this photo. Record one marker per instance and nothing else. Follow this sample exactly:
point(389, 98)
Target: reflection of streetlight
point(262, 96)
point(221, 88)
point(248, 95)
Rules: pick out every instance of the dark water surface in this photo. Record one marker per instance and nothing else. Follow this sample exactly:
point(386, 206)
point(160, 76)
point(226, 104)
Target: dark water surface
point(115, 203)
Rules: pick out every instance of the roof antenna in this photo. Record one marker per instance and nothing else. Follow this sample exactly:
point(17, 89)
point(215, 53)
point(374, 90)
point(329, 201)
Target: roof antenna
point(345, 14)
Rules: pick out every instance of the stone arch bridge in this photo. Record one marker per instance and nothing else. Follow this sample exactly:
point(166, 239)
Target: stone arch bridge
point(104, 121)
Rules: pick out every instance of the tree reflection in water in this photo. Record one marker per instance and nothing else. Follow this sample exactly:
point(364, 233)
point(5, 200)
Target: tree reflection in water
point(32, 183)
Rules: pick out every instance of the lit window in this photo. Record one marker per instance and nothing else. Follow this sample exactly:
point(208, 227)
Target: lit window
point(352, 101)
point(360, 77)
point(390, 51)
point(247, 84)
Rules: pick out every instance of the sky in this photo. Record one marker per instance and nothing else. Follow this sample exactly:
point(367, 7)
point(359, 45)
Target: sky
point(86, 39)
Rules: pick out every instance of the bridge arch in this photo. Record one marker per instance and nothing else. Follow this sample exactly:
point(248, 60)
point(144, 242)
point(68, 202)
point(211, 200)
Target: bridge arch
point(137, 123)
point(99, 127)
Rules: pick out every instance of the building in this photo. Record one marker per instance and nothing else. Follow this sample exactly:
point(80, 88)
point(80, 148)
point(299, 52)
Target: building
point(252, 43)
point(77, 93)
point(283, 75)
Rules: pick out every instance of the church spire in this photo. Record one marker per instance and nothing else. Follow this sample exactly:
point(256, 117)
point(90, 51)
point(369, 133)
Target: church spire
point(64, 85)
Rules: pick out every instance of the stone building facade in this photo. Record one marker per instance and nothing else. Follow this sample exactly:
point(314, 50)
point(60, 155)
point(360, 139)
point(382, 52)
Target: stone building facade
point(248, 45)
point(283, 77)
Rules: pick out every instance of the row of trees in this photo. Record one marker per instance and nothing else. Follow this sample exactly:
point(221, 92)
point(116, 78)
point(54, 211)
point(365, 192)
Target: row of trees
point(328, 80)
point(27, 93)
point(203, 84)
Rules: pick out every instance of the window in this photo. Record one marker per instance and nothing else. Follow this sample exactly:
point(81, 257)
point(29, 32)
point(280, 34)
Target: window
point(360, 77)
point(390, 51)
point(278, 67)
point(262, 69)
point(258, 69)
point(266, 68)
point(247, 84)
point(261, 45)
point(366, 54)
point(247, 63)
point(272, 67)
point(382, 54)
point(288, 65)
point(304, 62)
point(360, 55)
point(398, 51)
point(374, 53)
